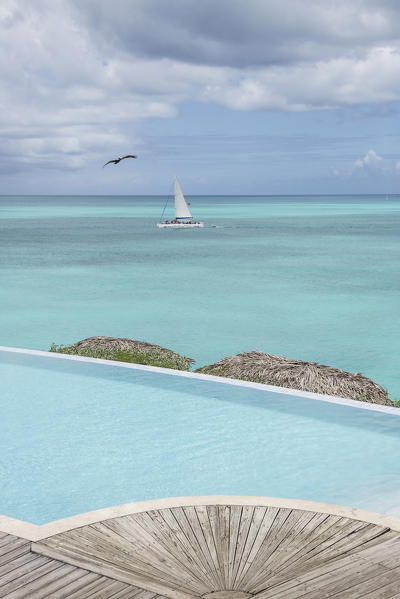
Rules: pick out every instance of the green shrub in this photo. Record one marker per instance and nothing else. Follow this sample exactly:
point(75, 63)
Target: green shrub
point(152, 357)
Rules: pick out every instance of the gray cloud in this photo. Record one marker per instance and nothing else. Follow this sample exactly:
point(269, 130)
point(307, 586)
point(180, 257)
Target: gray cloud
point(241, 34)
point(77, 76)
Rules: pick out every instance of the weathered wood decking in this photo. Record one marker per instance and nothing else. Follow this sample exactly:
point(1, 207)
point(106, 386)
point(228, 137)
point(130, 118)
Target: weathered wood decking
point(24, 574)
point(199, 551)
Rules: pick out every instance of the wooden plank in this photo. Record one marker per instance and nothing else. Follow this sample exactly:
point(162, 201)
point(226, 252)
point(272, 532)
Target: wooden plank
point(91, 589)
point(224, 516)
point(8, 539)
point(261, 544)
point(79, 585)
point(205, 525)
point(319, 529)
point(387, 592)
point(213, 517)
point(106, 543)
point(191, 537)
point(321, 550)
point(92, 552)
point(21, 564)
point(12, 544)
point(318, 524)
point(270, 542)
point(390, 535)
point(251, 544)
point(353, 540)
point(283, 588)
point(13, 554)
point(381, 586)
point(199, 537)
point(344, 579)
point(47, 584)
point(173, 540)
point(129, 593)
point(26, 575)
point(105, 589)
point(386, 553)
point(336, 569)
point(173, 530)
point(110, 569)
point(244, 528)
point(16, 564)
point(235, 517)
point(296, 538)
point(282, 529)
point(145, 547)
point(139, 594)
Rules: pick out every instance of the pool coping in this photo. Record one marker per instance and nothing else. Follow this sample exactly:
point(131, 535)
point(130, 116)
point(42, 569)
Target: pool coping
point(353, 403)
point(35, 532)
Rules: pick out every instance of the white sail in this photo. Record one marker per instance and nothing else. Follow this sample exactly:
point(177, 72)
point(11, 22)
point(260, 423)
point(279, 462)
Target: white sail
point(181, 208)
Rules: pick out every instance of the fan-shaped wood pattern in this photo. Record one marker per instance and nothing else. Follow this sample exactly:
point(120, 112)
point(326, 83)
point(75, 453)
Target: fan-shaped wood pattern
point(273, 553)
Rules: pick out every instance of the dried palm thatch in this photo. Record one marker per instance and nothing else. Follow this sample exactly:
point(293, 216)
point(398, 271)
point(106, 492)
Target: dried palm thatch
point(295, 374)
point(126, 350)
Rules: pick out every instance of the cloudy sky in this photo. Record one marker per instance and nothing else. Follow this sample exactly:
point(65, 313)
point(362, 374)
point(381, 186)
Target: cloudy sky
point(235, 96)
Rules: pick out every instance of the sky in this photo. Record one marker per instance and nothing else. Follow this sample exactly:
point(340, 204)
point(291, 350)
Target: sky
point(233, 96)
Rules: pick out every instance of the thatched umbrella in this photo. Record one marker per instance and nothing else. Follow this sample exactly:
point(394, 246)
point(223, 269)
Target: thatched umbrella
point(295, 374)
point(111, 348)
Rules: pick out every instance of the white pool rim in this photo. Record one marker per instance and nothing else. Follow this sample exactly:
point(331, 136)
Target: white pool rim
point(34, 532)
point(361, 405)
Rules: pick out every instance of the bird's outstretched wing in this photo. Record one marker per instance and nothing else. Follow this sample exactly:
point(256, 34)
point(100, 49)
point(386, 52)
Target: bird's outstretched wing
point(109, 162)
point(119, 159)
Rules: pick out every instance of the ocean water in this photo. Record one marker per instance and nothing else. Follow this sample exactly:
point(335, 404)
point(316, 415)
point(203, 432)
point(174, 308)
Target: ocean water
point(78, 436)
point(314, 278)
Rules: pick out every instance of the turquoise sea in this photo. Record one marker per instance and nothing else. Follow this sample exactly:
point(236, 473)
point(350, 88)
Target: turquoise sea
point(315, 278)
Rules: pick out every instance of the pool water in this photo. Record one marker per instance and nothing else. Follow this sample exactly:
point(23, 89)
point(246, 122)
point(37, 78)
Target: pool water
point(78, 436)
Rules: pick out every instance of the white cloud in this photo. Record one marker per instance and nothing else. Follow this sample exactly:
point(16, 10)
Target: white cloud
point(320, 85)
point(372, 164)
point(77, 76)
point(370, 160)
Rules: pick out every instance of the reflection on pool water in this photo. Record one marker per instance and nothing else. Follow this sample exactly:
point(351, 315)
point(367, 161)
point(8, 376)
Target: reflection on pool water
point(77, 436)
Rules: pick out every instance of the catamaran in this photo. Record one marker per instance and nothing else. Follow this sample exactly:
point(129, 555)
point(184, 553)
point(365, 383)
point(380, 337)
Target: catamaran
point(183, 217)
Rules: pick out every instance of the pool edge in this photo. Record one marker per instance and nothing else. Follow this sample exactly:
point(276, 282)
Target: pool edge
point(216, 379)
point(34, 532)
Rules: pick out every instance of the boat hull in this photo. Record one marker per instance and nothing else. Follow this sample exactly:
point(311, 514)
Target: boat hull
point(179, 225)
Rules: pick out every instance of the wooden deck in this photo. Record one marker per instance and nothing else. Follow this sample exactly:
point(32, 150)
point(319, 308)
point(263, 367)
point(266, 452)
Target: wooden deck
point(200, 551)
point(24, 574)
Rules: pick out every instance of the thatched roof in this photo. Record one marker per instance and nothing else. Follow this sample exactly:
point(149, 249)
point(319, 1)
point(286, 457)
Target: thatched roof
point(295, 374)
point(97, 345)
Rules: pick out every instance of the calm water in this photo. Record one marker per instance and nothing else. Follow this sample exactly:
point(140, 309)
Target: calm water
point(76, 437)
point(315, 278)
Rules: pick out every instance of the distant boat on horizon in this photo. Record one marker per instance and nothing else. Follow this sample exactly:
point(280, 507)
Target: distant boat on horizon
point(183, 217)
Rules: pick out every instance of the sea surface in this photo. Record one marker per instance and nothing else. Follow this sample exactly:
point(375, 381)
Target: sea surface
point(314, 278)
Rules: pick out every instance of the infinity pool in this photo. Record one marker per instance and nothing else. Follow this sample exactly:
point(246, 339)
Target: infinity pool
point(77, 436)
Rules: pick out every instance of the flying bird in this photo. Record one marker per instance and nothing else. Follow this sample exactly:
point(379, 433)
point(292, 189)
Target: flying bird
point(119, 159)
